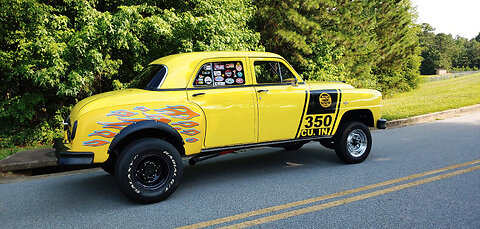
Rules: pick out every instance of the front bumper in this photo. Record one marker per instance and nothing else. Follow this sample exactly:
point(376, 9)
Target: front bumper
point(67, 157)
point(382, 123)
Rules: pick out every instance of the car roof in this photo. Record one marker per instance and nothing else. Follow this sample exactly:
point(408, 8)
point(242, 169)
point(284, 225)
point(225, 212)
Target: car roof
point(181, 66)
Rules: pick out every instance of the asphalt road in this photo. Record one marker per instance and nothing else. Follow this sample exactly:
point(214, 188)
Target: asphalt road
point(254, 180)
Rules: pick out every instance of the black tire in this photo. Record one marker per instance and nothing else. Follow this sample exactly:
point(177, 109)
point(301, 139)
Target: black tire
point(353, 142)
point(149, 170)
point(293, 146)
point(109, 165)
point(327, 143)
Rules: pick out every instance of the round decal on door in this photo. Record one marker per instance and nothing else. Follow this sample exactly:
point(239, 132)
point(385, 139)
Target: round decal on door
point(229, 81)
point(325, 100)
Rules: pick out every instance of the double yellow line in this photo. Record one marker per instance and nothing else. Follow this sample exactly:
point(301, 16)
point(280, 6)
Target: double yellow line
point(318, 207)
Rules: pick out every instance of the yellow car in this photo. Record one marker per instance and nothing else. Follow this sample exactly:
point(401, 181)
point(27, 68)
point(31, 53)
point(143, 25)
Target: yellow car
point(206, 104)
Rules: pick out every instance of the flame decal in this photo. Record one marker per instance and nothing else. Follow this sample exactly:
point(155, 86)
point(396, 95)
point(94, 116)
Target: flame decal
point(181, 112)
point(132, 120)
point(186, 124)
point(95, 142)
point(165, 115)
point(122, 113)
point(141, 108)
point(158, 118)
point(114, 127)
point(115, 123)
point(191, 140)
point(103, 133)
point(190, 132)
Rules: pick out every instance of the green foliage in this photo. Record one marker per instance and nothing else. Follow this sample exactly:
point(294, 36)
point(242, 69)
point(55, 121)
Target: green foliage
point(444, 51)
point(367, 43)
point(54, 53)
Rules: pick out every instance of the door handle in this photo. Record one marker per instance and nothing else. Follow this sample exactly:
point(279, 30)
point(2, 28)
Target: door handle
point(197, 94)
point(263, 90)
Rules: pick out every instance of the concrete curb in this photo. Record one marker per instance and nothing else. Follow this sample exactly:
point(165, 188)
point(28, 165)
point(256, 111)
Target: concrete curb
point(30, 159)
point(41, 158)
point(432, 117)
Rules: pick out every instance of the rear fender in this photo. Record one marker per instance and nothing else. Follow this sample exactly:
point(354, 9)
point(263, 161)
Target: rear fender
point(149, 128)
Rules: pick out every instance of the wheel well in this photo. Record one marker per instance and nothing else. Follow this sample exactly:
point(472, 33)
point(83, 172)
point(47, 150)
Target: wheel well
point(364, 115)
point(149, 133)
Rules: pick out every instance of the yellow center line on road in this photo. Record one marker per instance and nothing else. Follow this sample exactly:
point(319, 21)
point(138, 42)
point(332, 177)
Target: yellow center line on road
point(348, 200)
point(325, 197)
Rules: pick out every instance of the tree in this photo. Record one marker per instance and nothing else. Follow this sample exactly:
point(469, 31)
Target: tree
point(443, 51)
point(365, 42)
point(54, 53)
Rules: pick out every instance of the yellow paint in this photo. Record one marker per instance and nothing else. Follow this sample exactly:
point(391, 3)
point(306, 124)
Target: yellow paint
point(230, 112)
point(279, 107)
point(228, 116)
point(325, 197)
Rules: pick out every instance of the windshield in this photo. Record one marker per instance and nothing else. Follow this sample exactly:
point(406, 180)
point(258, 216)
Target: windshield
point(150, 78)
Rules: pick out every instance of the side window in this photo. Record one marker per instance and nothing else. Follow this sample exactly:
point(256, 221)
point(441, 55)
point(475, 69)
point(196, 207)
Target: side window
point(220, 74)
point(268, 72)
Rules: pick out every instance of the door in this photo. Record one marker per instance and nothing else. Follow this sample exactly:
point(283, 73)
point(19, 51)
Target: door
point(281, 98)
point(223, 90)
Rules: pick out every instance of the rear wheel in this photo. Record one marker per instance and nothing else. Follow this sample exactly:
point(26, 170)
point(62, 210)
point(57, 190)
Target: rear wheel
point(353, 142)
point(149, 170)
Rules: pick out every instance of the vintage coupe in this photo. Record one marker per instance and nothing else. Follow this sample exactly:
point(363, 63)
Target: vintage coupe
point(206, 104)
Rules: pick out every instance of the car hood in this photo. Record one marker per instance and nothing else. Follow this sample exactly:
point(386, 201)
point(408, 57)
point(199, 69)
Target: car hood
point(328, 85)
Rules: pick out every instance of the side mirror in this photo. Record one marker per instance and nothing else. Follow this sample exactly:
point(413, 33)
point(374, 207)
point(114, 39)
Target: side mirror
point(294, 82)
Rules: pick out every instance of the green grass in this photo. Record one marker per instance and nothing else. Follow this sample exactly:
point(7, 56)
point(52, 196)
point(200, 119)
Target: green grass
point(433, 97)
point(5, 152)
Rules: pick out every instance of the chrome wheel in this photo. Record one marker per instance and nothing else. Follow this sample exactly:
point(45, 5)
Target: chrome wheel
point(357, 143)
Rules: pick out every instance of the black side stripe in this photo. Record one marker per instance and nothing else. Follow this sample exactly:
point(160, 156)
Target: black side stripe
point(338, 110)
point(303, 112)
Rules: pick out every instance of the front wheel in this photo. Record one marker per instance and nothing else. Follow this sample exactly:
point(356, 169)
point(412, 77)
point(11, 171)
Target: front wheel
point(149, 170)
point(353, 142)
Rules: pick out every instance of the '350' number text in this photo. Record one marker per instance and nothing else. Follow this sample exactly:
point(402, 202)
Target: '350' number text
point(318, 121)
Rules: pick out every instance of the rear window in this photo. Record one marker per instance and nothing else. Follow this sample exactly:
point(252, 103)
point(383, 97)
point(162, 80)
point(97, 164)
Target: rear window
point(150, 78)
point(219, 74)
